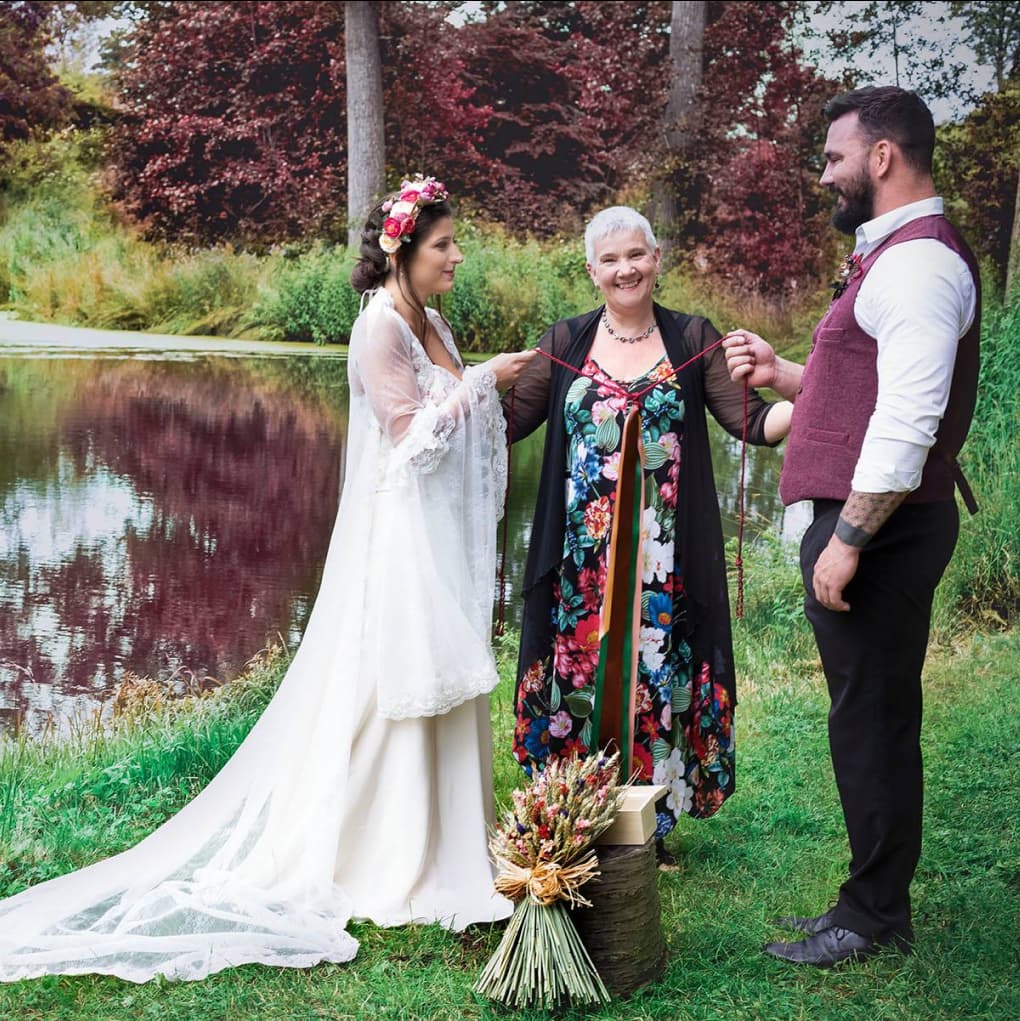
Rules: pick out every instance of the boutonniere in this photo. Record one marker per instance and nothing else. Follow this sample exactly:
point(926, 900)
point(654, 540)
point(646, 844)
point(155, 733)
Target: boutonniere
point(850, 269)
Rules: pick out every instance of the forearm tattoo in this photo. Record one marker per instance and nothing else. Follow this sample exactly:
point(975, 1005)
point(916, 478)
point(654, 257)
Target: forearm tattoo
point(864, 514)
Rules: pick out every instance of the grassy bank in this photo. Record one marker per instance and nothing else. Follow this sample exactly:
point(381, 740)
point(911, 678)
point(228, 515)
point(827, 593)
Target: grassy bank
point(777, 846)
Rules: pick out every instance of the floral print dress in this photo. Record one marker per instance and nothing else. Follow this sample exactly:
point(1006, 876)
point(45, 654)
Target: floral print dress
point(683, 726)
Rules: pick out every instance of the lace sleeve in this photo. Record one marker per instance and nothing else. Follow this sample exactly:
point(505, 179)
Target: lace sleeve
point(427, 438)
point(385, 368)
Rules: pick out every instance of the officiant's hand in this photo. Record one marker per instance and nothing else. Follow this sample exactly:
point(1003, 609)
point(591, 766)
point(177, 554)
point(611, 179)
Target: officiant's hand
point(508, 367)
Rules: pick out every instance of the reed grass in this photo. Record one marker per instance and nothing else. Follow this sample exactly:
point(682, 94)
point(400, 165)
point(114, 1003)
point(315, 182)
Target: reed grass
point(982, 584)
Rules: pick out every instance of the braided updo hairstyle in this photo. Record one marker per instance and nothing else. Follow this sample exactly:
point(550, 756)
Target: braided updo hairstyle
point(373, 263)
point(373, 266)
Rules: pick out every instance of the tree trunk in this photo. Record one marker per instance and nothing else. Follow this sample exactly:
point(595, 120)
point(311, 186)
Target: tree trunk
point(366, 173)
point(683, 111)
point(1012, 288)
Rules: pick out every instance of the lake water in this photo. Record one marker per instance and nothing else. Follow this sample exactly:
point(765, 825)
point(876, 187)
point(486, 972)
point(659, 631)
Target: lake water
point(168, 516)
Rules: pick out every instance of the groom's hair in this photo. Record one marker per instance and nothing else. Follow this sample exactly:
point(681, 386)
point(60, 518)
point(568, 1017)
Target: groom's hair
point(886, 111)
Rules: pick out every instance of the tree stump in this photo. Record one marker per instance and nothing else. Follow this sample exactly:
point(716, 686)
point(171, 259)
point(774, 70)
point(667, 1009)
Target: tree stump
point(622, 930)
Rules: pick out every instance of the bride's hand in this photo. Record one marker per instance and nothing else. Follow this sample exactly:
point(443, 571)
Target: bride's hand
point(508, 367)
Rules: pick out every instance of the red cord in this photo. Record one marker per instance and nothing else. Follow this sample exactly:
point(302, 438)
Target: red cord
point(741, 514)
point(636, 398)
point(612, 384)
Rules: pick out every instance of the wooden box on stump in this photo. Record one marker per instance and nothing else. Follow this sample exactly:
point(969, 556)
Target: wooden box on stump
point(622, 930)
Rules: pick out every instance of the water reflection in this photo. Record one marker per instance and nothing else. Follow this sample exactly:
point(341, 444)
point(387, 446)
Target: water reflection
point(163, 516)
point(156, 516)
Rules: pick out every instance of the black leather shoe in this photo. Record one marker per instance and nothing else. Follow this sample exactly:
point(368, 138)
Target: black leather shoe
point(833, 946)
point(808, 925)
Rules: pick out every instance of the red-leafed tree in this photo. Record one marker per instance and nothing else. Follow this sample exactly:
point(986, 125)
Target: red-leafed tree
point(234, 122)
point(544, 110)
point(533, 113)
point(435, 122)
point(618, 61)
point(764, 217)
point(31, 98)
point(542, 151)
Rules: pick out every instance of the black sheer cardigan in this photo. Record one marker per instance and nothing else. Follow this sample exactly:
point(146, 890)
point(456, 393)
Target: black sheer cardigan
point(539, 397)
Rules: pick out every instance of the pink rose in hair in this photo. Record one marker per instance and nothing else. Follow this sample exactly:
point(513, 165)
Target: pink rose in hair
point(387, 205)
point(409, 196)
point(391, 227)
point(407, 224)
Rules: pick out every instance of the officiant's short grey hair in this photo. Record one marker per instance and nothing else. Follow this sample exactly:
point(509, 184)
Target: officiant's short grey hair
point(610, 221)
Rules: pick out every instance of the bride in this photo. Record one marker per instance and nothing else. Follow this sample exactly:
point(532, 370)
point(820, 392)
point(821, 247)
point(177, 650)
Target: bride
point(364, 789)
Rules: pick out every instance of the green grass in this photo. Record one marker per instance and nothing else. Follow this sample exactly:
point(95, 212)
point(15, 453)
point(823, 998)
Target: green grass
point(777, 846)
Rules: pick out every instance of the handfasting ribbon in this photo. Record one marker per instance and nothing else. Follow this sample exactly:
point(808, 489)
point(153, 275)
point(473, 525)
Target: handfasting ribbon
point(741, 514)
point(620, 617)
point(501, 615)
point(619, 625)
point(739, 563)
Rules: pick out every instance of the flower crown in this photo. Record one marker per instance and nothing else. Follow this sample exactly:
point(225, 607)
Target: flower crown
point(403, 211)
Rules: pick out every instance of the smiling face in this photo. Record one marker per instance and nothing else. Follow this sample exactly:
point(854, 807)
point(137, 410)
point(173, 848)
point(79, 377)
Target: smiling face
point(625, 270)
point(848, 173)
point(433, 263)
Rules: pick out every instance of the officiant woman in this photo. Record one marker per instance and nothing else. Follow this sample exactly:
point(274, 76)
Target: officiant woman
point(669, 696)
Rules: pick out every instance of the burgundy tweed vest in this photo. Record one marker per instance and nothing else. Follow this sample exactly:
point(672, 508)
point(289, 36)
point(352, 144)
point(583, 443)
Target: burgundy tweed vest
point(840, 386)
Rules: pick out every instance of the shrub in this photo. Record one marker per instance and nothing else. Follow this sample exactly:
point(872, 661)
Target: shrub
point(311, 298)
point(509, 292)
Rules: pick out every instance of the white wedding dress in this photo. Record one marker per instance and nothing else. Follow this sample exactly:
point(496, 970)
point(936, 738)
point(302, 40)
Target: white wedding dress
point(364, 789)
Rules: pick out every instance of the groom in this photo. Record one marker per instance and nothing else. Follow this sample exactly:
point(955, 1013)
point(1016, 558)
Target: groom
point(882, 408)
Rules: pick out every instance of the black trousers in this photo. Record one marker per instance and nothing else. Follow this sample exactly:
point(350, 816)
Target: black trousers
point(872, 657)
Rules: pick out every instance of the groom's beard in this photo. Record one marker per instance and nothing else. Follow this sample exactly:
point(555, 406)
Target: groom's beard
point(858, 204)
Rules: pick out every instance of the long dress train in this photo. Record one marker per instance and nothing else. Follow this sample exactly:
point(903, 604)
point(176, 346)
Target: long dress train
point(364, 789)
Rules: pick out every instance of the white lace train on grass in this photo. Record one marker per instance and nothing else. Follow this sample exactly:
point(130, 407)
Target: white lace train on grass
point(364, 789)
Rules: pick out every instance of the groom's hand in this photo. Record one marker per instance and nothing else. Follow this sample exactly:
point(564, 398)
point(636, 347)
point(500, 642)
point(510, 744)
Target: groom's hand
point(750, 359)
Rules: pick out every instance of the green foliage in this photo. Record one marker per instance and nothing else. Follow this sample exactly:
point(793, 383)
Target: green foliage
point(786, 323)
point(983, 579)
point(509, 292)
point(772, 643)
point(65, 256)
point(50, 216)
point(311, 298)
point(209, 292)
point(993, 30)
point(975, 167)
